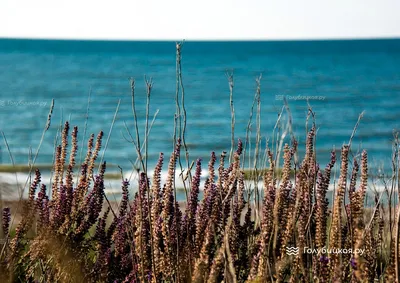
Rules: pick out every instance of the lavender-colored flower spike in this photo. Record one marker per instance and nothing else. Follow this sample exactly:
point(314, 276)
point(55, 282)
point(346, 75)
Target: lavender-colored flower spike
point(353, 263)
point(240, 147)
point(6, 220)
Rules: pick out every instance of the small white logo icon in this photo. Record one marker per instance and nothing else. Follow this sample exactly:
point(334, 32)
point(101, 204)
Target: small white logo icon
point(292, 251)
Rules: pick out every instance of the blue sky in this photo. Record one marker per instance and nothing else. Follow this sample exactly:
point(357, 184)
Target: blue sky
point(206, 19)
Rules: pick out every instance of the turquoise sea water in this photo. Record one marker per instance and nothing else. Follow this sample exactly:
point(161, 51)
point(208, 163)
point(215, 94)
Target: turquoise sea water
point(343, 78)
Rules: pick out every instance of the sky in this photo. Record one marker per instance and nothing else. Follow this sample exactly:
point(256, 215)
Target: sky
point(199, 20)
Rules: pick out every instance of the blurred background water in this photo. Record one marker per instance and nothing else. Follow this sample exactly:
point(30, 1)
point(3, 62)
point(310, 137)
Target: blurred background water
point(344, 78)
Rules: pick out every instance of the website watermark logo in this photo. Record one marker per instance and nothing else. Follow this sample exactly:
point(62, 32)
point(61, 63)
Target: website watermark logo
point(308, 250)
point(300, 97)
point(292, 251)
point(19, 103)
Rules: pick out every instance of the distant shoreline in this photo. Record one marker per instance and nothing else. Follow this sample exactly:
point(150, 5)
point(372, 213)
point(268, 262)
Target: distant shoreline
point(113, 181)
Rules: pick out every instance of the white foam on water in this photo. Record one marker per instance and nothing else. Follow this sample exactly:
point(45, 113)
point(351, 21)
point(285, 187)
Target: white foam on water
point(8, 183)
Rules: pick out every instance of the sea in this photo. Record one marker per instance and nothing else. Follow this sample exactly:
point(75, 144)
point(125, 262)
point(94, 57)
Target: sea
point(328, 82)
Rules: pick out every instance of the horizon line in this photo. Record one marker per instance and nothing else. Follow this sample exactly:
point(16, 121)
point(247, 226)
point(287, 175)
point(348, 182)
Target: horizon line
point(201, 39)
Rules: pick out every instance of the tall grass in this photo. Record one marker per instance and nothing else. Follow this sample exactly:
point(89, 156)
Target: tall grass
point(234, 233)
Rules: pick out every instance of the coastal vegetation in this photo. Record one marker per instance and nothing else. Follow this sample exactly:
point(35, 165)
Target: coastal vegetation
point(263, 222)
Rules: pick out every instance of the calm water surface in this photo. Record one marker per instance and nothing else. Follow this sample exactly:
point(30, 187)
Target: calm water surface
point(344, 78)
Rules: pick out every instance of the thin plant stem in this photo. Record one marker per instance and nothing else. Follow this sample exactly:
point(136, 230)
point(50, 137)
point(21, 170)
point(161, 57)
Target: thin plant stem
point(141, 160)
point(84, 130)
point(109, 134)
point(232, 108)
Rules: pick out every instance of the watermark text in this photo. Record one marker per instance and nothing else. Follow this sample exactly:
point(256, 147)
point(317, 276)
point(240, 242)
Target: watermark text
point(19, 103)
point(300, 97)
point(321, 251)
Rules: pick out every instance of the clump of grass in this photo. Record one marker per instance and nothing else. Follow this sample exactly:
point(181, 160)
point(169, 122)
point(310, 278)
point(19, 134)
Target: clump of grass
point(209, 240)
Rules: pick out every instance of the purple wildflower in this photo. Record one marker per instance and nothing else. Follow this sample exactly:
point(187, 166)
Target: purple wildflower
point(353, 263)
point(6, 220)
point(324, 259)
